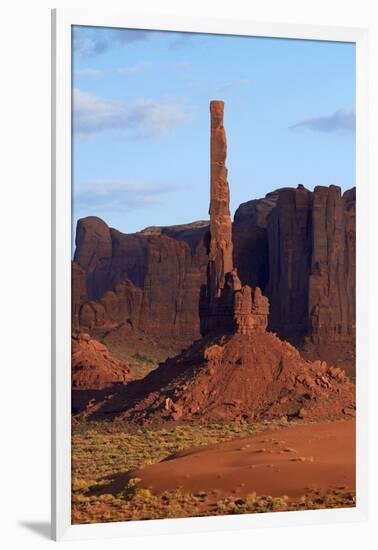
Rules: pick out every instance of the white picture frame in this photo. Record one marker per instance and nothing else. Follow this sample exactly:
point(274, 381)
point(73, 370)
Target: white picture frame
point(62, 21)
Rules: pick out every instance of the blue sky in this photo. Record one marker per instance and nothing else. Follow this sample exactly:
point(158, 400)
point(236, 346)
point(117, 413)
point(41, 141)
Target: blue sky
point(141, 120)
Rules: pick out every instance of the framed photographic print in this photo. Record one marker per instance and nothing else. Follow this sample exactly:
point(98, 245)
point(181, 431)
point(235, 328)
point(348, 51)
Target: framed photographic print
point(210, 191)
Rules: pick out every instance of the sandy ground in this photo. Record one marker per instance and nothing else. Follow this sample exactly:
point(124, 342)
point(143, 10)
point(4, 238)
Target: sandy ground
point(291, 461)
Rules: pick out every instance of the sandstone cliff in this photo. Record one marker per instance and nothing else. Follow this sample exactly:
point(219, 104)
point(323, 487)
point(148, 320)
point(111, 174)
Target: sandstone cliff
point(290, 249)
point(306, 242)
point(250, 239)
point(150, 280)
point(297, 246)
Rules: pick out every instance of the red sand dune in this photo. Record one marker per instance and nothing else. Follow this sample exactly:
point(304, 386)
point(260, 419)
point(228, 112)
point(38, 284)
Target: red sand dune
point(289, 461)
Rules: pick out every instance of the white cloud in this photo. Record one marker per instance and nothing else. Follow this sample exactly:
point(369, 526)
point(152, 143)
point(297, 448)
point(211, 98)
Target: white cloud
point(119, 195)
point(91, 41)
point(139, 67)
point(341, 121)
point(93, 114)
point(87, 46)
point(88, 72)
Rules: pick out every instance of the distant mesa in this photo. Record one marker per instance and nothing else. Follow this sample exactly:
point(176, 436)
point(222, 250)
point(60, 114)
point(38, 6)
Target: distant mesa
point(161, 230)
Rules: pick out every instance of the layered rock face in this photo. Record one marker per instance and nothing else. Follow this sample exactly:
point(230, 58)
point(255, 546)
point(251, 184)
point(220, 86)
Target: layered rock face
point(78, 293)
point(297, 245)
point(306, 243)
point(331, 305)
point(150, 280)
point(228, 306)
point(289, 231)
point(250, 240)
point(311, 241)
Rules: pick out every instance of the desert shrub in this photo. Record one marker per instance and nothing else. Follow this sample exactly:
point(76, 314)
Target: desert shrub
point(101, 450)
point(142, 358)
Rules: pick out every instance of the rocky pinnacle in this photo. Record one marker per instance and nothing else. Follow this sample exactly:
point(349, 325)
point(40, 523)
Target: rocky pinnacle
point(220, 253)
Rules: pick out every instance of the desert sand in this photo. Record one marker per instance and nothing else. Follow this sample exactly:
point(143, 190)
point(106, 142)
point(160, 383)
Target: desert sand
point(291, 461)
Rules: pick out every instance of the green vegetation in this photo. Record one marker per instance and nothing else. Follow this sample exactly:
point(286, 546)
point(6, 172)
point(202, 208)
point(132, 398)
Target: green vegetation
point(141, 352)
point(140, 504)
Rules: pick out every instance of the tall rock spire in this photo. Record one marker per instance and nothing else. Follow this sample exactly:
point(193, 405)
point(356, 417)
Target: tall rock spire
point(220, 253)
point(227, 306)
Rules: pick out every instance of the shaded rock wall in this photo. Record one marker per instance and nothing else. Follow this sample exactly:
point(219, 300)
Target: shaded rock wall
point(151, 281)
point(311, 287)
point(300, 247)
point(297, 246)
point(289, 244)
point(93, 242)
point(331, 304)
point(79, 294)
point(250, 239)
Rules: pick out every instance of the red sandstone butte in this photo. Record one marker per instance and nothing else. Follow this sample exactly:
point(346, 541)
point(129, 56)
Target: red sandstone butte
point(299, 246)
point(152, 281)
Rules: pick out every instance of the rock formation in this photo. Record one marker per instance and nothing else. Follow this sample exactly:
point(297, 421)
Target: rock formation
point(92, 365)
point(289, 243)
point(311, 241)
point(151, 281)
point(280, 244)
point(250, 240)
point(220, 250)
point(78, 293)
point(228, 306)
point(238, 378)
point(239, 371)
point(297, 246)
point(331, 305)
point(265, 235)
point(93, 242)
